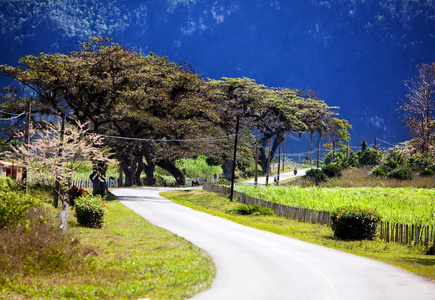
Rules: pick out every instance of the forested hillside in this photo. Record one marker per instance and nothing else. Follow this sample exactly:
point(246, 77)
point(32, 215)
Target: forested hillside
point(353, 53)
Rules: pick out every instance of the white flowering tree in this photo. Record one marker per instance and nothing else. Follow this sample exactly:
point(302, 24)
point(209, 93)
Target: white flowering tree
point(54, 157)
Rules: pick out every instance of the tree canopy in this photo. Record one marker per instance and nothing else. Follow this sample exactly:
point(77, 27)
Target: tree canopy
point(153, 111)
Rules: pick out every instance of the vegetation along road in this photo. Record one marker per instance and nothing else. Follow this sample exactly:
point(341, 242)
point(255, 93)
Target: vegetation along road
point(253, 264)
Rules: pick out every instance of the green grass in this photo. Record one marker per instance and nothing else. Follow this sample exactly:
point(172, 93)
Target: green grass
point(128, 259)
point(358, 177)
point(402, 205)
point(411, 258)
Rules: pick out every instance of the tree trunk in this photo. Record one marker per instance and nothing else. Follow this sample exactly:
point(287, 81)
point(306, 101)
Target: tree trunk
point(140, 168)
point(263, 157)
point(228, 174)
point(128, 168)
point(98, 178)
point(149, 169)
point(173, 169)
point(128, 165)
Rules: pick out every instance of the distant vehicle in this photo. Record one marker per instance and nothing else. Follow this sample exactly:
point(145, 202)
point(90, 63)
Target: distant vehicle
point(295, 171)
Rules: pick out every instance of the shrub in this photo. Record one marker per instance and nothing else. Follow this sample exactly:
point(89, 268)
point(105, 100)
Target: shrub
point(332, 170)
point(401, 174)
point(353, 160)
point(14, 206)
point(244, 209)
point(75, 192)
point(329, 157)
point(370, 157)
point(381, 170)
point(90, 211)
point(315, 175)
point(6, 183)
point(419, 162)
point(38, 246)
point(427, 172)
point(355, 223)
point(394, 159)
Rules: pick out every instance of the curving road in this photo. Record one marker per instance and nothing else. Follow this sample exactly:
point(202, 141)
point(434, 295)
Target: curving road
point(253, 264)
point(282, 177)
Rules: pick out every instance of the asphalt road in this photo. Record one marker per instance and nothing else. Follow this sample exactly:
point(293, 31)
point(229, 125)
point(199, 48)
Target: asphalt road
point(253, 264)
point(282, 177)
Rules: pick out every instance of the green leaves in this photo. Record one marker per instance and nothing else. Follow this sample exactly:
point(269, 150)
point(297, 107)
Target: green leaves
point(355, 223)
point(14, 206)
point(90, 211)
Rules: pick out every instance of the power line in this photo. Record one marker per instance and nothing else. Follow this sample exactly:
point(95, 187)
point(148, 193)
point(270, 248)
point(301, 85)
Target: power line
point(11, 118)
point(388, 143)
point(164, 140)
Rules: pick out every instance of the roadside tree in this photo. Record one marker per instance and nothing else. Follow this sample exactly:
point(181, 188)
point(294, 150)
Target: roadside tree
point(418, 110)
point(337, 132)
point(54, 157)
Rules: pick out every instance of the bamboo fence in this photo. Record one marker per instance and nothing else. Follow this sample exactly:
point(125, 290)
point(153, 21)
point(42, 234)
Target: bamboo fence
point(87, 183)
point(389, 232)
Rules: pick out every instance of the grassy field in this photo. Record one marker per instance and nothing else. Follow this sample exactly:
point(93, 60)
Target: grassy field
point(128, 259)
point(411, 258)
point(401, 205)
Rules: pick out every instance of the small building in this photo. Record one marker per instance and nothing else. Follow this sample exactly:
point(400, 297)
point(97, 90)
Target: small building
point(12, 170)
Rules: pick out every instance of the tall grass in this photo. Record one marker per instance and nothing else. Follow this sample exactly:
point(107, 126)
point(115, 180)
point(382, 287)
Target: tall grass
point(360, 178)
point(198, 167)
point(401, 205)
point(128, 258)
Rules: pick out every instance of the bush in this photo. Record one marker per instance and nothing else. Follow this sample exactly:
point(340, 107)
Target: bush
point(38, 246)
point(244, 209)
point(381, 170)
point(6, 183)
point(14, 206)
point(90, 211)
point(315, 175)
point(332, 170)
point(420, 162)
point(74, 192)
point(355, 223)
point(401, 174)
point(427, 172)
point(370, 157)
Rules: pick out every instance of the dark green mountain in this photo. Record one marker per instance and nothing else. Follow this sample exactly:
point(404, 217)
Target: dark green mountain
point(354, 53)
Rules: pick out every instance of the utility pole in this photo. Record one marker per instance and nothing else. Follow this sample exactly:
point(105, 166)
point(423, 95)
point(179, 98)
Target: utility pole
point(318, 151)
point(234, 159)
point(57, 188)
point(268, 162)
point(279, 166)
point(256, 160)
point(26, 143)
point(283, 156)
point(374, 146)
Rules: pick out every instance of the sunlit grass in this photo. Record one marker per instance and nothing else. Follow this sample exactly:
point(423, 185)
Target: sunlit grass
point(411, 258)
point(402, 205)
point(360, 178)
point(128, 259)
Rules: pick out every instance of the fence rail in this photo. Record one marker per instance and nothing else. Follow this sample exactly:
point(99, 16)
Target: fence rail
point(289, 212)
point(403, 234)
point(87, 183)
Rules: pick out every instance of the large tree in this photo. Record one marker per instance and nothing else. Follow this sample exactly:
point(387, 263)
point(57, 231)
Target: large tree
point(336, 132)
point(288, 113)
point(418, 110)
point(125, 94)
